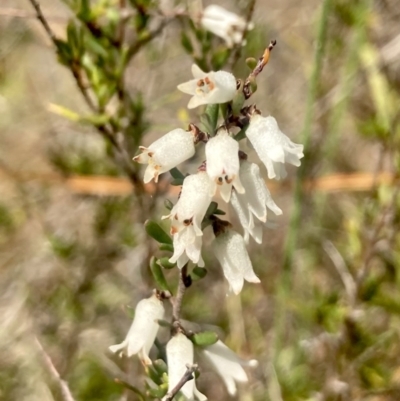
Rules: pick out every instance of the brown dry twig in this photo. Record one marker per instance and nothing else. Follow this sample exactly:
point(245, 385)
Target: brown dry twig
point(188, 375)
point(62, 384)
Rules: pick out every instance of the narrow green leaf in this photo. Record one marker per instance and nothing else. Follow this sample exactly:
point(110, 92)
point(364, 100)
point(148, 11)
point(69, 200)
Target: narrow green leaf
point(160, 366)
point(155, 231)
point(219, 58)
point(154, 375)
point(212, 208)
point(251, 63)
point(212, 114)
point(186, 43)
point(204, 338)
point(177, 182)
point(166, 247)
point(168, 204)
point(198, 273)
point(164, 323)
point(164, 262)
point(219, 212)
point(158, 274)
point(84, 11)
point(176, 174)
point(158, 392)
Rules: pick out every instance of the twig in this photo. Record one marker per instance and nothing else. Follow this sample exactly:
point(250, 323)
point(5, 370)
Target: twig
point(340, 264)
point(177, 300)
point(43, 20)
point(237, 52)
point(188, 375)
point(63, 385)
point(121, 154)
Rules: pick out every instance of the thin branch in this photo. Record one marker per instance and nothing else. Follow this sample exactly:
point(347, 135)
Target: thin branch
point(237, 51)
point(43, 20)
point(341, 267)
point(62, 384)
point(177, 301)
point(188, 375)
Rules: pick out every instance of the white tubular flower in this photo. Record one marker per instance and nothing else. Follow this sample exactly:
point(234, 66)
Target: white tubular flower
point(223, 164)
point(228, 365)
point(273, 147)
point(209, 88)
point(143, 330)
point(187, 246)
point(230, 249)
point(225, 24)
point(180, 354)
point(186, 217)
point(254, 202)
point(193, 203)
point(166, 153)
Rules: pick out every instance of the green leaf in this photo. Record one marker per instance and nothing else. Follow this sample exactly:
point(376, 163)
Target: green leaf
point(204, 338)
point(64, 52)
point(212, 117)
point(176, 174)
point(166, 247)
point(158, 274)
point(219, 212)
point(164, 323)
point(212, 208)
point(164, 262)
point(186, 43)
point(154, 375)
point(84, 11)
point(238, 100)
point(251, 63)
point(177, 182)
point(241, 134)
point(219, 58)
point(158, 392)
point(160, 366)
point(198, 273)
point(155, 231)
point(168, 204)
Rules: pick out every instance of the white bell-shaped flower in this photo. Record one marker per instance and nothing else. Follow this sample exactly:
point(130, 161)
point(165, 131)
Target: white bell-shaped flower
point(254, 202)
point(179, 355)
point(223, 164)
point(225, 24)
point(273, 147)
point(228, 365)
point(187, 246)
point(209, 87)
point(166, 153)
point(230, 249)
point(193, 202)
point(143, 330)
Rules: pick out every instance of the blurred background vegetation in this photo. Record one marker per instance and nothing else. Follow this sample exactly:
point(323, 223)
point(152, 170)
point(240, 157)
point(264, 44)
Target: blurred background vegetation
point(325, 320)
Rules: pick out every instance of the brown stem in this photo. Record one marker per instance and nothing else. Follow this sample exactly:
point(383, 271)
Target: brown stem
point(177, 301)
point(237, 51)
point(188, 375)
point(62, 384)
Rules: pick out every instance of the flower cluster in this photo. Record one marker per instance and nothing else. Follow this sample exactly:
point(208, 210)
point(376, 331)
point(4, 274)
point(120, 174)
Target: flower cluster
point(225, 172)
